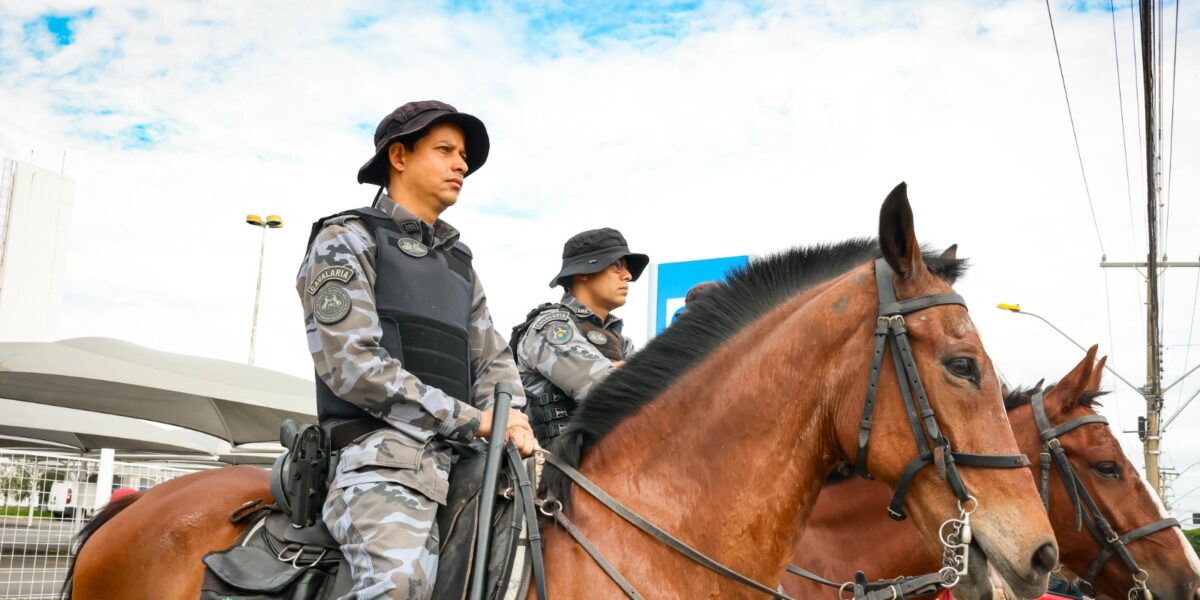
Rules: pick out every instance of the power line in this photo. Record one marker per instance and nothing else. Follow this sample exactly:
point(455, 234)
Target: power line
point(1070, 114)
point(1124, 144)
point(1112, 346)
point(1192, 328)
point(1171, 143)
point(1137, 98)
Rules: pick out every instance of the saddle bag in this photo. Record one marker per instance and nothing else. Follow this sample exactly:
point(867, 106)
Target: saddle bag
point(276, 561)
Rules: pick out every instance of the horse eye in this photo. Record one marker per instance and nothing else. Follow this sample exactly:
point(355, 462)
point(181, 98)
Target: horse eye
point(963, 368)
point(1107, 470)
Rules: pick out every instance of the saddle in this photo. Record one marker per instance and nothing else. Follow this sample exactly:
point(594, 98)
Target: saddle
point(286, 552)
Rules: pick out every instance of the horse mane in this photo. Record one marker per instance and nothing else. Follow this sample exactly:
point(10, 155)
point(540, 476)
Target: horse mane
point(718, 315)
point(101, 517)
point(1022, 396)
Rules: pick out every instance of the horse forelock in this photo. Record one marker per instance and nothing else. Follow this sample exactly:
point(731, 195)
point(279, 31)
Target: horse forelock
point(748, 294)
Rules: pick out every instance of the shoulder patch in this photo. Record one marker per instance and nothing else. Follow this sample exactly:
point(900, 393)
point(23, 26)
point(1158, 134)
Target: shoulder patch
point(558, 333)
point(331, 305)
point(342, 274)
point(549, 317)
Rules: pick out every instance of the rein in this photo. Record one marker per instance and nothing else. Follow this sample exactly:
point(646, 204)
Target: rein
point(1109, 541)
point(955, 540)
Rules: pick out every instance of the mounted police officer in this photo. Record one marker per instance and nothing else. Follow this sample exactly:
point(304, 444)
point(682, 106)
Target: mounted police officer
point(405, 352)
point(564, 349)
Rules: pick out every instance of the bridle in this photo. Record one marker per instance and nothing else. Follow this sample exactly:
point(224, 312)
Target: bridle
point(1109, 541)
point(954, 533)
point(891, 331)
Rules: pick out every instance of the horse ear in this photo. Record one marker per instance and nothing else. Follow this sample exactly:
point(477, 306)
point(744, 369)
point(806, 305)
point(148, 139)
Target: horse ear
point(951, 253)
point(897, 239)
point(1093, 384)
point(1064, 396)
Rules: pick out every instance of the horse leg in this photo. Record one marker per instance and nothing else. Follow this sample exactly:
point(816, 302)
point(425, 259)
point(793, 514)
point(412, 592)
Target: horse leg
point(153, 549)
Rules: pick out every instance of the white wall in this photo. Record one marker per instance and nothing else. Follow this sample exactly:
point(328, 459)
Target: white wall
point(35, 220)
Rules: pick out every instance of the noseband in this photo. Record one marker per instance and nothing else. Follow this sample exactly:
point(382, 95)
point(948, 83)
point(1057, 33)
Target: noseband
point(1109, 541)
point(891, 331)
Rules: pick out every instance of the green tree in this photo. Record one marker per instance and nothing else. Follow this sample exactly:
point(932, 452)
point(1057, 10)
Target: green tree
point(14, 483)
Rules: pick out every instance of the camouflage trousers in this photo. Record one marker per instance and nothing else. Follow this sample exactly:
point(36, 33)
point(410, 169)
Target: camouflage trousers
point(389, 535)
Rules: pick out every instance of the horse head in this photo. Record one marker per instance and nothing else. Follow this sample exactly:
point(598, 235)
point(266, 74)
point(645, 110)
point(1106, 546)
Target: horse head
point(1108, 498)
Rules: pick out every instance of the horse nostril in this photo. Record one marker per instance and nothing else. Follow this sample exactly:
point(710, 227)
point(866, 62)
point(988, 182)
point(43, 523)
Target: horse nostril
point(1045, 559)
point(1195, 594)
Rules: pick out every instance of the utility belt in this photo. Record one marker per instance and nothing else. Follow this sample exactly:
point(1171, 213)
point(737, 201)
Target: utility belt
point(343, 432)
point(549, 413)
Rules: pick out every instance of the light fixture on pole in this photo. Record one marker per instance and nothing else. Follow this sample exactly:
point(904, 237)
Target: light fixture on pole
point(271, 222)
point(1016, 308)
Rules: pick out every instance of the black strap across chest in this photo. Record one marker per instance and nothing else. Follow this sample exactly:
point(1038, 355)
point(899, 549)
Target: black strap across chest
point(1086, 510)
point(890, 332)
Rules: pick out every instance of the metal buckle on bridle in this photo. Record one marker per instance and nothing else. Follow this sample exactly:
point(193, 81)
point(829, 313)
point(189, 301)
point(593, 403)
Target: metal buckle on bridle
point(890, 321)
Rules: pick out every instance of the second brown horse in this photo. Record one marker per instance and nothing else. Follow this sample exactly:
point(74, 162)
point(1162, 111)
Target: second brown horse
point(848, 531)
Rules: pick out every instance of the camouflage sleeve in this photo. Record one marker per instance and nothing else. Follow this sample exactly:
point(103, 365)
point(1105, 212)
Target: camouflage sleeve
point(561, 353)
point(346, 347)
point(491, 359)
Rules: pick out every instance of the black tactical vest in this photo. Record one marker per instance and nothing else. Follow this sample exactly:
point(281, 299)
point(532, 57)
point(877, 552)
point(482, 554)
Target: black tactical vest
point(423, 296)
point(550, 411)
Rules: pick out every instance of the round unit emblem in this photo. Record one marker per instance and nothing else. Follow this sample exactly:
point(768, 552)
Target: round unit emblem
point(597, 338)
point(558, 333)
point(331, 305)
point(412, 247)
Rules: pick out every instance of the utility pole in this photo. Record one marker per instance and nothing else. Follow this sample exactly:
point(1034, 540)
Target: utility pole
point(1153, 355)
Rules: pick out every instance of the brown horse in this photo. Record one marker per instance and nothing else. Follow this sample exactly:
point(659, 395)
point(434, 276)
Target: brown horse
point(149, 545)
point(721, 431)
point(848, 531)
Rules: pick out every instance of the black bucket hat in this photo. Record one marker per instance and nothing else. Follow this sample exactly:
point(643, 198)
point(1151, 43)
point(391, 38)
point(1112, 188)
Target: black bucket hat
point(593, 251)
point(413, 119)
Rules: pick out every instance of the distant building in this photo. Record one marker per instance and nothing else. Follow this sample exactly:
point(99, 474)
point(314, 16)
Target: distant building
point(35, 222)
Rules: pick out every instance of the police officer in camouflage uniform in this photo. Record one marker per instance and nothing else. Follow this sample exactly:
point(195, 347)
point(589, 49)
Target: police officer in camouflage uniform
point(564, 349)
point(405, 352)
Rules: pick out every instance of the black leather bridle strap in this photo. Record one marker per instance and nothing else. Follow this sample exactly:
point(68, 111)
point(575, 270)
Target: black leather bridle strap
point(991, 461)
point(864, 425)
point(597, 556)
point(1118, 546)
point(533, 533)
point(900, 588)
point(652, 530)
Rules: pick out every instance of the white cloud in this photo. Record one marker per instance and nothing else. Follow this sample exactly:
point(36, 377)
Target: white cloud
point(750, 131)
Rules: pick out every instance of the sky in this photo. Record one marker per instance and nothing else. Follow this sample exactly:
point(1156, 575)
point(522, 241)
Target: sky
point(698, 128)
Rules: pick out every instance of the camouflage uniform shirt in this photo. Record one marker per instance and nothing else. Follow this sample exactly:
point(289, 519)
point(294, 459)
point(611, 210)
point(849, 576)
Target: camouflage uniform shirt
point(574, 366)
point(349, 358)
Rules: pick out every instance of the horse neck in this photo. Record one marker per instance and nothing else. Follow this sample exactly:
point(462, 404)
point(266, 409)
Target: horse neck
point(743, 441)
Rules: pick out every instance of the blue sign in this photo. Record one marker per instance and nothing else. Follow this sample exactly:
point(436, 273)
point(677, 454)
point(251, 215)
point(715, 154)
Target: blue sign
point(673, 280)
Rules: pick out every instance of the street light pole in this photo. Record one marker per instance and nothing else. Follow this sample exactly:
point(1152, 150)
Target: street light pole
point(1016, 308)
point(1151, 393)
point(271, 222)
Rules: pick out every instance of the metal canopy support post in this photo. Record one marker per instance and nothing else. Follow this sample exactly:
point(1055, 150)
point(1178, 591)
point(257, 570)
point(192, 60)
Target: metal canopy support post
point(104, 478)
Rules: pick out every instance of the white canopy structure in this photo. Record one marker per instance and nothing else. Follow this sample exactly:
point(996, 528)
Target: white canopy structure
point(36, 426)
point(233, 402)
